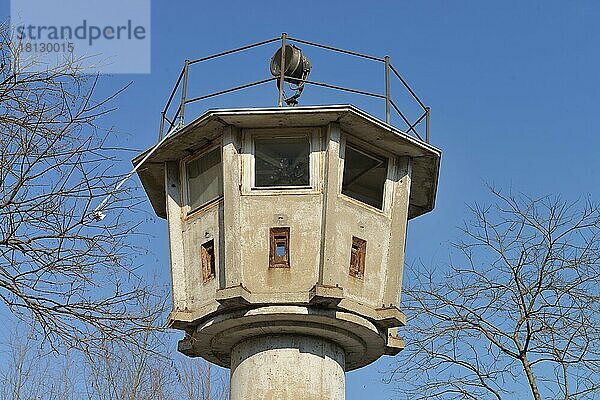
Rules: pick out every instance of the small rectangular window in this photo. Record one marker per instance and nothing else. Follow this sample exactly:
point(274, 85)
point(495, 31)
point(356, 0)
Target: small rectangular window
point(364, 176)
point(204, 179)
point(207, 253)
point(357, 257)
point(279, 256)
point(281, 162)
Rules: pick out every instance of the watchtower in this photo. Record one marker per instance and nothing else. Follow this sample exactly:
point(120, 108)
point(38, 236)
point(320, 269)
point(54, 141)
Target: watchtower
point(287, 228)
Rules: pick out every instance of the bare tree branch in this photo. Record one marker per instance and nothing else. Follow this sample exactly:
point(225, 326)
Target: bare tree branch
point(116, 371)
point(74, 278)
point(516, 310)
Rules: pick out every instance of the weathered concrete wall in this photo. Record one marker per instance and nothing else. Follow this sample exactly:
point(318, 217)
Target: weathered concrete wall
point(321, 222)
point(173, 205)
point(394, 265)
point(187, 233)
point(260, 210)
point(383, 230)
point(199, 229)
point(287, 367)
point(302, 214)
point(232, 180)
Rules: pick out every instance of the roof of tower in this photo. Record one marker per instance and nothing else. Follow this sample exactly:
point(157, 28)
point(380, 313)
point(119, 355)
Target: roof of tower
point(209, 126)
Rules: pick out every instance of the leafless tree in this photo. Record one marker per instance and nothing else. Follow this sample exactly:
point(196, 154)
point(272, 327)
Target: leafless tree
point(149, 371)
point(197, 380)
point(515, 314)
point(29, 372)
point(71, 275)
point(116, 370)
point(124, 371)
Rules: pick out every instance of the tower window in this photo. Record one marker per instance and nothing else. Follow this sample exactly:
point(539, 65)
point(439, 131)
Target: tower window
point(281, 162)
point(364, 176)
point(279, 256)
point(207, 253)
point(357, 257)
point(204, 179)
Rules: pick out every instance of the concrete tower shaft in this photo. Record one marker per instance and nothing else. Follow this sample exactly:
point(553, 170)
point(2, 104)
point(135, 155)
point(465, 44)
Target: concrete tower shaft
point(287, 367)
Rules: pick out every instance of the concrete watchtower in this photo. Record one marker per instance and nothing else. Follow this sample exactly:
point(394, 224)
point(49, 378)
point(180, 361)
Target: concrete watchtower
point(287, 230)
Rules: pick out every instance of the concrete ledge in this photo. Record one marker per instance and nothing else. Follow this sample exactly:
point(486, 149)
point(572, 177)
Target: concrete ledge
point(362, 341)
point(234, 296)
point(391, 317)
point(387, 317)
point(185, 346)
point(394, 343)
point(328, 296)
point(184, 319)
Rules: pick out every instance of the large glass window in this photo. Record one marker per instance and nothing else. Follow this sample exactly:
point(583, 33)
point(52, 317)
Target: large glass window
point(364, 176)
point(204, 179)
point(281, 162)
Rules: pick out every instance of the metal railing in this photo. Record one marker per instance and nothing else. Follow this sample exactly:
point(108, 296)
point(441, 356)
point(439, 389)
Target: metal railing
point(178, 118)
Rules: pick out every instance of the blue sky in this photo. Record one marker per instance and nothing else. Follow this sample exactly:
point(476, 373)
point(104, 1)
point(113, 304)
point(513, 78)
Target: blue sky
point(513, 86)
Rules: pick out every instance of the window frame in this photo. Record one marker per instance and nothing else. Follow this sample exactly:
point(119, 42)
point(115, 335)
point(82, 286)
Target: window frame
point(208, 260)
point(369, 150)
point(186, 208)
point(249, 160)
point(357, 268)
point(279, 235)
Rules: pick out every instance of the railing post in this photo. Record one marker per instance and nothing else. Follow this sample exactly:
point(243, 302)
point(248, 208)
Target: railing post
point(387, 89)
point(183, 92)
point(427, 112)
point(282, 69)
point(162, 125)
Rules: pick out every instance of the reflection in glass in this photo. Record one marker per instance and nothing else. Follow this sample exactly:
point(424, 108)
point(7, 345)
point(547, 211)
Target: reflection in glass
point(204, 179)
point(364, 177)
point(281, 162)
